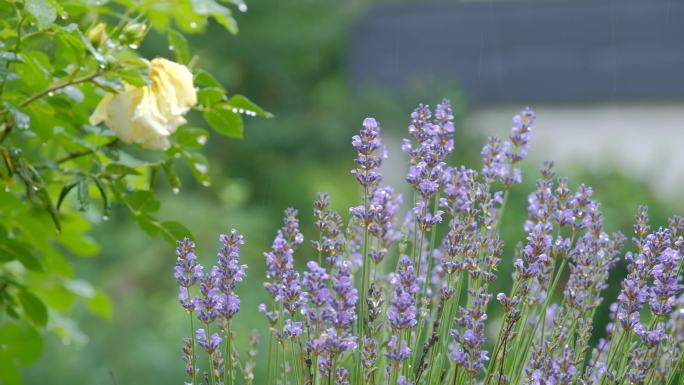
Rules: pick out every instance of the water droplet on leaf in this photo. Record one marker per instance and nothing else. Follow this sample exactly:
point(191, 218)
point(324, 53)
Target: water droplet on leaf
point(242, 7)
point(175, 190)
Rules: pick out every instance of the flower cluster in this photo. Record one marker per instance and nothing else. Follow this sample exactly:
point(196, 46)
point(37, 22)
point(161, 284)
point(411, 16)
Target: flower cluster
point(216, 302)
point(410, 303)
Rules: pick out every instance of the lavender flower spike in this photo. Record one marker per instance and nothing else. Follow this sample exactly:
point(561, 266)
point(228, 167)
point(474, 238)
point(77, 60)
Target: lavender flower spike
point(371, 152)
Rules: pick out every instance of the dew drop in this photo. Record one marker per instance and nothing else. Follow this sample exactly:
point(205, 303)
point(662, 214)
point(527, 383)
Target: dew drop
point(51, 93)
point(175, 190)
point(105, 217)
point(170, 48)
point(201, 168)
point(202, 139)
point(242, 7)
point(193, 25)
point(133, 46)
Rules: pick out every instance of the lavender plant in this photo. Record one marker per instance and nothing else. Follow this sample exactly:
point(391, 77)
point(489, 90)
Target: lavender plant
point(406, 301)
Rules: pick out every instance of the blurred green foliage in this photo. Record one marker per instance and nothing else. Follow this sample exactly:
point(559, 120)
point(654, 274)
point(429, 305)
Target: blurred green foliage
point(60, 174)
point(289, 55)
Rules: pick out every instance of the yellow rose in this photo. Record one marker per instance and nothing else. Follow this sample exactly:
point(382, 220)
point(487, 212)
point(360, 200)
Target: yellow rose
point(149, 115)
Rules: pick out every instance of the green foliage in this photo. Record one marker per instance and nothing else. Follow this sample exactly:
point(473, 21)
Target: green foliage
point(60, 174)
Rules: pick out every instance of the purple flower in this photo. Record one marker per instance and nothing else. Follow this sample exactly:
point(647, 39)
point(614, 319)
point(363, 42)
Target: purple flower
point(292, 329)
point(370, 154)
point(402, 311)
point(467, 349)
point(345, 297)
point(396, 351)
point(520, 135)
point(187, 271)
point(230, 272)
point(208, 344)
point(665, 282)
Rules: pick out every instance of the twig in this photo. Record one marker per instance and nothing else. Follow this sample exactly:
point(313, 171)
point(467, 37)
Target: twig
point(58, 86)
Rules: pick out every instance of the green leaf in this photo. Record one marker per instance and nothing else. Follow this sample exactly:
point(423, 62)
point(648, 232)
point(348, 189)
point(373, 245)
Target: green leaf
point(179, 46)
point(143, 201)
point(9, 373)
point(199, 166)
point(100, 305)
point(226, 122)
point(43, 11)
point(33, 307)
point(116, 170)
point(147, 223)
point(65, 191)
point(11, 249)
point(174, 231)
point(191, 137)
point(171, 175)
point(83, 195)
point(20, 342)
point(210, 96)
point(106, 203)
point(221, 14)
point(204, 78)
point(246, 106)
point(133, 77)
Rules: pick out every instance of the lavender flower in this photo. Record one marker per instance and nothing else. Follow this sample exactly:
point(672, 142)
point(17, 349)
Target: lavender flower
point(397, 351)
point(402, 311)
point(467, 350)
point(371, 152)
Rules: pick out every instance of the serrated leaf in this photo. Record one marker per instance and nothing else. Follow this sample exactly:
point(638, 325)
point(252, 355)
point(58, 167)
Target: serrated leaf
point(210, 96)
point(226, 122)
point(33, 307)
point(42, 11)
point(246, 106)
point(179, 45)
point(204, 78)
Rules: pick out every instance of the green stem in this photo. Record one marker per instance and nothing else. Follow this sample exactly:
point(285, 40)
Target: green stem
point(60, 85)
point(194, 356)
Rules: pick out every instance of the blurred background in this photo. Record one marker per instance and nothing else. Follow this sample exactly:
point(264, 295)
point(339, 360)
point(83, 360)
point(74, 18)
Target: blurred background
point(606, 79)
